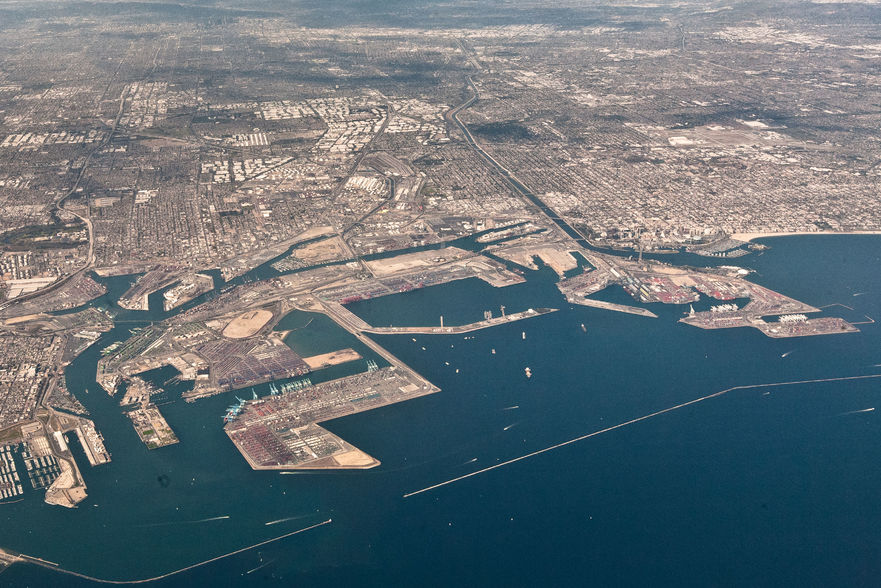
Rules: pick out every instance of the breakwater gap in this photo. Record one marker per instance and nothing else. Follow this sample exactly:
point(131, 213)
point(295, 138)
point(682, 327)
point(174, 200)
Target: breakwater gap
point(23, 558)
point(632, 422)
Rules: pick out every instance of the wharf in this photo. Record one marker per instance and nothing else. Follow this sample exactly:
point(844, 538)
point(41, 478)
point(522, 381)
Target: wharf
point(282, 432)
point(190, 287)
point(92, 443)
point(137, 296)
point(776, 330)
point(810, 327)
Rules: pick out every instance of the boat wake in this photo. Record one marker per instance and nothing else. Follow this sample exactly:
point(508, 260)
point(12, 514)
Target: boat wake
point(633, 421)
point(857, 411)
point(220, 518)
point(284, 520)
point(169, 523)
point(261, 566)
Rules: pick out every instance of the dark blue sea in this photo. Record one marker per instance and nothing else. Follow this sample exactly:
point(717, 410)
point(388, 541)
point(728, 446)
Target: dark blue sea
point(775, 486)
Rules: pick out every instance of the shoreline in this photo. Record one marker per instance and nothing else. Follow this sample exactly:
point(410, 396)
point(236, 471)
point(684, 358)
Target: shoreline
point(747, 237)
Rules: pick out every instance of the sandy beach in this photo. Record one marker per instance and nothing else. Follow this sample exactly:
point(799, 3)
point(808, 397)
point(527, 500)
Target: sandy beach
point(746, 237)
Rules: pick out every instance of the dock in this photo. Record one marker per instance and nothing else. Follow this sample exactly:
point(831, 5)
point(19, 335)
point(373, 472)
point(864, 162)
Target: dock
point(189, 288)
point(282, 432)
point(780, 329)
point(137, 296)
point(92, 443)
point(10, 482)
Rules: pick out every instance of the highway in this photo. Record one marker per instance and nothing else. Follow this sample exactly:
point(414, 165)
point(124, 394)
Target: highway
point(59, 205)
point(452, 115)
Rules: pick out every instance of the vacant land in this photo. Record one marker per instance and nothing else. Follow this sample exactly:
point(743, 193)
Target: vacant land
point(247, 324)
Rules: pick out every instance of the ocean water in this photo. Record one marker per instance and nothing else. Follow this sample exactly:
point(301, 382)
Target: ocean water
point(763, 486)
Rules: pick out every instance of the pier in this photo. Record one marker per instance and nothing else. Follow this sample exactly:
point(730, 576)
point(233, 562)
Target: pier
point(282, 433)
point(350, 322)
point(442, 330)
point(151, 426)
point(611, 306)
point(92, 443)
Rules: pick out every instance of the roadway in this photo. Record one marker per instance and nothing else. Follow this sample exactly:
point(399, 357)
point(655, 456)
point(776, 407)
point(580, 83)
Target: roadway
point(454, 330)
point(452, 115)
point(59, 205)
point(354, 324)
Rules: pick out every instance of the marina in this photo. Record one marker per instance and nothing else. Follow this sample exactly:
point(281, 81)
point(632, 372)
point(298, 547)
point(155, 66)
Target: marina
point(10, 482)
point(42, 470)
point(333, 294)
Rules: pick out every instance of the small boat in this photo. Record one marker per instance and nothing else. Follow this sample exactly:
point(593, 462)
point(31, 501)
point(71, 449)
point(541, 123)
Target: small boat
point(528, 372)
point(583, 328)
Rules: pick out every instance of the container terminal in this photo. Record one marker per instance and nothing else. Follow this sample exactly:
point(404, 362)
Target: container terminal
point(281, 431)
